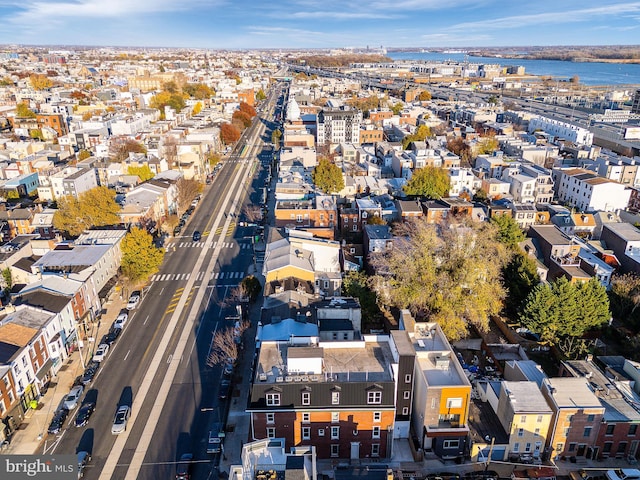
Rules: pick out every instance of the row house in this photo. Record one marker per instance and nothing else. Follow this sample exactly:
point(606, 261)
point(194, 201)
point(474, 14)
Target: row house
point(318, 214)
point(149, 202)
point(588, 192)
point(559, 252)
point(377, 239)
point(20, 186)
point(436, 211)
point(612, 379)
point(495, 188)
point(618, 168)
point(441, 392)
point(299, 256)
point(17, 222)
point(337, 396)
point(463, 182)
point(561, 130)
point(624, 240)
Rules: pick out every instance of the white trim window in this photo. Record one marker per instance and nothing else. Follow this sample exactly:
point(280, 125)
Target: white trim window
point(271, 418)
point(273, 399)
point(271, 432)
point(306, 398)
point(306, 433)
point(374, 397)
point(375, 432)
point(335, 433)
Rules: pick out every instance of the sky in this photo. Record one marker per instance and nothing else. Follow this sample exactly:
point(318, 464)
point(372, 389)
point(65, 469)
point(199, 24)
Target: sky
point(243, 24)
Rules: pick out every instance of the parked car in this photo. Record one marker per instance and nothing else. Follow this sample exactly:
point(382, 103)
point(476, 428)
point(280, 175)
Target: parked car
point(101, 352)
point(73, 397)
point(183, 469)
point(228, 369)
point(57, 421)
point(111, 336)
point(121, 320)
point(120, 420)
point(89, 372)
point(134, 299)
point(225, 387)
point(197, 236)
point(84, 458)
point(177, 230)
point(85, 412)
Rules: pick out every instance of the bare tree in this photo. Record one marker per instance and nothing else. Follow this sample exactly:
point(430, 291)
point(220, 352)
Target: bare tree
point(252, 213)
point(170, 150)
point(226, 344)
point(187, 191)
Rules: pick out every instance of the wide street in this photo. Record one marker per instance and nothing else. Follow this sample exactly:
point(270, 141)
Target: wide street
point(158, 365)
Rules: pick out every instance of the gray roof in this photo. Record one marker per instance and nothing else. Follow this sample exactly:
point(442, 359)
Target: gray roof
point(625, 231)
point(76, 259)
point(526, 397)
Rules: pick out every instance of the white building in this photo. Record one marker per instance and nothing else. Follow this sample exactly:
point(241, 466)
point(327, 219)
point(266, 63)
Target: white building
point(462, 180)
point(338, 125)
point(561, 130)
point(588, 192)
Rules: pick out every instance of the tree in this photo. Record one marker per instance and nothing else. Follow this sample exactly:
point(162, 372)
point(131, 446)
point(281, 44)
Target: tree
point(509, 232)
point(143, 172)
point(396, 108)
point(520, 276)
point(197, 108)
point(492, 100)
point(575, 79)
point(424, 96)
point(23, 111)
point(248, 109)
point(170, 87)
point(241, 119)
point(357, 285)
point(93, 208)
point(625, 299)
point(229, 133)
point(140, 257)
point(187, 192)
point(164, 98)
point(461, 148)
point(564, 309)
point(7, 280)
point(276, 135)
point(327, 176)
point(213, 158)
point(121, 147)
point(252, 288)
point(83, 154)
point(170, 223)
point(225, 345)
point(486, 145)
point(430, 182)
point(448, 273)
point(199, 91)
point(40, 82)
point(420, 135)
point(481, 196)
point(260, 95)
point(253, 213)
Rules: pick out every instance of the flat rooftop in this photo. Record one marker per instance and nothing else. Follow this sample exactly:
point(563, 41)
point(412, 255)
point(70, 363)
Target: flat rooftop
point(357, 361)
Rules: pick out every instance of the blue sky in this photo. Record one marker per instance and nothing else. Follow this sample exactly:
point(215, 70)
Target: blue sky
point(319, 23)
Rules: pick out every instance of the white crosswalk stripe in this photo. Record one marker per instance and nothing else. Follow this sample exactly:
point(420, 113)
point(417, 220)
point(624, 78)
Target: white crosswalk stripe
point(181, 244)
point(153, 278)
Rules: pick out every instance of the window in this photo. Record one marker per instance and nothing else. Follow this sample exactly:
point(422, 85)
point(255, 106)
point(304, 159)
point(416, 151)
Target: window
point(273, 399)
point(306, 398)
point(335, 450)
point(271, 418)
point(335, 433)
point(566, 431)
point(376, 432)
point(523, 419)
point(607, 447)
point(572, 447)
point(433, 403)
point(451, 444)
point(527, 447)
point(536, 432)
point(299, 218)
point(321, 432)
point(335, 417)
point(559, 447)
point(406, 395)
point(521, 432)
point(587, 432)
point(633, 429)
point(516, 447)
point(405, 410)
point(375, 450)
point(271, 432)
point(374, 397)
point(355, 227)
point(591, 418)
point(407, 378)
point(335, 398)
point(3, 408)
point(306, 417)
point(377, 416)
point(454, 403)
point(306, 433)
point(611, 428)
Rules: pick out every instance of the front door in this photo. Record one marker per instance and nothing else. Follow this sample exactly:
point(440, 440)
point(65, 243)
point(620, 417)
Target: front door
point(355, 450)
point(581, 448)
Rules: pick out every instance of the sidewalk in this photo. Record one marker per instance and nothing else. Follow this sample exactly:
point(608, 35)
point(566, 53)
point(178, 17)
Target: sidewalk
point(31, 436)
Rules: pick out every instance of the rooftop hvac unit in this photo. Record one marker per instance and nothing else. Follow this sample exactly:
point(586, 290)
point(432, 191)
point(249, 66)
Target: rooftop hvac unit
point(262, 377)
point(314, 378)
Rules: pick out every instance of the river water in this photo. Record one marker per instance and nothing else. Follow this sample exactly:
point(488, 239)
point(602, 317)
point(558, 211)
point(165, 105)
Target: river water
point(589, 73)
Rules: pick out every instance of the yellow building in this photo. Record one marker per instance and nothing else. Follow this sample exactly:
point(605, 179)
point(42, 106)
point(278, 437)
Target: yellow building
point(526, 417)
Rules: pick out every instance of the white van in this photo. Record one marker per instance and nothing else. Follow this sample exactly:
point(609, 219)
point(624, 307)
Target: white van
point(623, 474)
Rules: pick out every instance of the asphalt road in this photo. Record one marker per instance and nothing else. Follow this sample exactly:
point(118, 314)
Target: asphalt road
point(192, 397)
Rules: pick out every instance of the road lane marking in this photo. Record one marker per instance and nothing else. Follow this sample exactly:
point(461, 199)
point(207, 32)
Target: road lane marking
point(126, 356)
point(145, 320)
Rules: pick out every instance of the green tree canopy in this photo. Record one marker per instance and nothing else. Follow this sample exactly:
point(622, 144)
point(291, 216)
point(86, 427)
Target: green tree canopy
point(430, 182)
point(509, 232)
point(84, 154)
point(93, 208)
point(520, 276)
point(448, 273)
point(327, 176)
point(625, 299)
point(251, 286)
point(424, 96)
point(140, 257)
point(565, 309)
point(143, 172)
point(276, 135)
point(396, 108)
point(199, 91)
point(356, 284)
point(260, 95)
point(23, 111)
point(165, 98)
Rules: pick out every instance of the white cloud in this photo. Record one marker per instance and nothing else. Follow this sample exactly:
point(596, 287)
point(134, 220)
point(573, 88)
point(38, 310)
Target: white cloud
point(550, 18)
point(336, 15)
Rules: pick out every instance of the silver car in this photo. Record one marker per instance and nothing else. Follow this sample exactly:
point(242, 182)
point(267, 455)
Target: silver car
point(72, 399)
point(120, 420)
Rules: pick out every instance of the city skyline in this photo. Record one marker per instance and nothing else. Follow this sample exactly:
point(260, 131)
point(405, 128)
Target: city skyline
point(318, 24)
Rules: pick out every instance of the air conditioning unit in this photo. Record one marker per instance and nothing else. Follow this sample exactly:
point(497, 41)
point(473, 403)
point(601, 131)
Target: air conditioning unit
point(297, 378)
point(304, 378)
point(313, 378)
point(279, 379)
point(288, 378)
point(262, 377)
